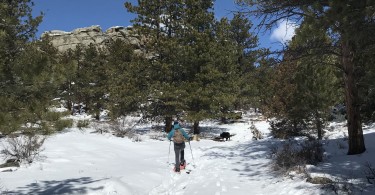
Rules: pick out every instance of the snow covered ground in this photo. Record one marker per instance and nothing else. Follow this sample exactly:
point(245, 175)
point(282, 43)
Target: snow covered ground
point(81, 162)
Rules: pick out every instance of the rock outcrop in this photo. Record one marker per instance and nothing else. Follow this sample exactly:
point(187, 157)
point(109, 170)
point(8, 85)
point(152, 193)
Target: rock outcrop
point(92, 35)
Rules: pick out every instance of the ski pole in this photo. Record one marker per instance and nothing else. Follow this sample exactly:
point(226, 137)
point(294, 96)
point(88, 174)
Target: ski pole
point(169, 151)
point(191, 151)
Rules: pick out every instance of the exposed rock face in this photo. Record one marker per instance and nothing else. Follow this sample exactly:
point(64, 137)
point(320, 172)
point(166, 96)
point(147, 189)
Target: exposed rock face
point(92, 35)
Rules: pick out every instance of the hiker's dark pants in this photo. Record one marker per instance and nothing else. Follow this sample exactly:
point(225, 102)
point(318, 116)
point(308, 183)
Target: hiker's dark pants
point(179, 154)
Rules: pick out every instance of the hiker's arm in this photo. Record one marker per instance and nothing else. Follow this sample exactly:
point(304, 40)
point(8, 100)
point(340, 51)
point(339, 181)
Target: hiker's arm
point(170, 134)
point(185, 135)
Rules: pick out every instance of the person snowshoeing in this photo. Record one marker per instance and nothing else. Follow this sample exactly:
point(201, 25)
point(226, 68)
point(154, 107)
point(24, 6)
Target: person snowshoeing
point(179, 136)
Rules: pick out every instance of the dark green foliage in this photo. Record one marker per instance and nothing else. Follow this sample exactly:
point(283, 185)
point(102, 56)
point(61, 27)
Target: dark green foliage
point(67, 67)
point(303, 87)
point(53, 116)
point(366, 71)
point(245, 43)
point(92, 80)
point(62, 124)
point(83, 124)
point(348, 25)
point(164, 71)
point(198, 61)
point(83, 79)
point(191, 65)
point(128, 79)
point(285, 129)
point(26, 70)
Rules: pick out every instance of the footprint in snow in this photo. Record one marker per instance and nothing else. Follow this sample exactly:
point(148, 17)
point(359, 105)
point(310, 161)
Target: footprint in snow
point(224, 189)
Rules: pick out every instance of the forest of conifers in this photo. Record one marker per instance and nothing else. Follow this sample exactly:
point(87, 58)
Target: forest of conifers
point(197, 67)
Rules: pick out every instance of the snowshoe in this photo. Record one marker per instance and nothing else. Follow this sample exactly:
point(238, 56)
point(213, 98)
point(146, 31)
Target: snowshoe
point(176, 170)
point(183, 165)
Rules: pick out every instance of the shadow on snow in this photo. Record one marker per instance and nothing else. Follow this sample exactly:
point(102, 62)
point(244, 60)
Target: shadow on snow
point(67, 186)
point(250, 158)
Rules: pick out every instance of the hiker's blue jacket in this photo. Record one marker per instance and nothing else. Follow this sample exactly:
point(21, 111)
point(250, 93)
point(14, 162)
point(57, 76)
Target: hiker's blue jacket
point(177, 126)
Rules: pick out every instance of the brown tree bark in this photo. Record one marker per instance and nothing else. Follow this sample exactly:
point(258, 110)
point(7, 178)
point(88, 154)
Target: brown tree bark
point(168, 123)
point(196, 128)
point(356, 139)
point(319, 124)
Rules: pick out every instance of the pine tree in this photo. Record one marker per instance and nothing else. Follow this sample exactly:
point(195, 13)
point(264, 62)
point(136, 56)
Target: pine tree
point(196, 61)
point(227, 54)
point(19, 81)
point(343, 21)
point(159, 22)
point(67, 67)
point(305, 86)
point(247, 54)
point(35, 68)
point(319, 87)
point(128, 79)
point(93, 78)
point(225, 70)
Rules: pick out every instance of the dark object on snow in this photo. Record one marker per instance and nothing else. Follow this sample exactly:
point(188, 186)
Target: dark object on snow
point(218, 139)
point(319, 180)
point(225, 135)
point(11, 163)
point(221, 138)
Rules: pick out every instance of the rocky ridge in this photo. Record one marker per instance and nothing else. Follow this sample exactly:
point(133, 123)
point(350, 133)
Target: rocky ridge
point(63, 40)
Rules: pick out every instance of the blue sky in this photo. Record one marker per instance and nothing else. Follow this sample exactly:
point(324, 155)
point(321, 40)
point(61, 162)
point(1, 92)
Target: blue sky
point(68, 15)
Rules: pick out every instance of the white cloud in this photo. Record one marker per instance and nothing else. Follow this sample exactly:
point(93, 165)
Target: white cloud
point(284, 32)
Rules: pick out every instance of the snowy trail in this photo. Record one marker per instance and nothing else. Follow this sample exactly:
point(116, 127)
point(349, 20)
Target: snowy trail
point(78, 162)
point(233, 167)
point(236, 169)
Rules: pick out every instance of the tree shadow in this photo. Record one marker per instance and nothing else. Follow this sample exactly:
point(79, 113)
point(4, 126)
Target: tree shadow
point(252, 161)
point(341, 165)
point(67, 186)
point(245, 158)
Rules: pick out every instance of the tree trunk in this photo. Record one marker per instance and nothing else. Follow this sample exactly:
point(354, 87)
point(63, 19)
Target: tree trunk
point(196, 127)
point(356, 140)
point(97, 110)
point(97, 114)
point(168, 123)
point(69, 98)
point(295, 127)
point(318, 123)
point(69, 106)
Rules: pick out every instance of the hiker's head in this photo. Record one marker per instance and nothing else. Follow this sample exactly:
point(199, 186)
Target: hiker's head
point(176, 125)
